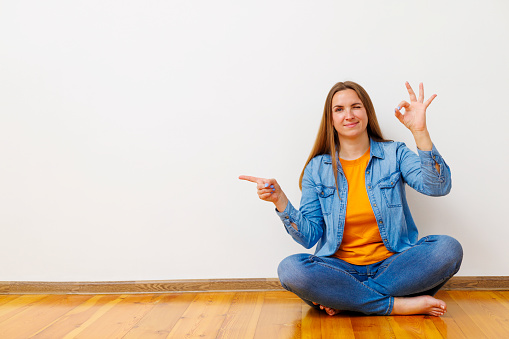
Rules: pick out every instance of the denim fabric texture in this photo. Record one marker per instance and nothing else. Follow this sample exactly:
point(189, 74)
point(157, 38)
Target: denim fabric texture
point(418, 266)
point(320, 220)
point(422, 269)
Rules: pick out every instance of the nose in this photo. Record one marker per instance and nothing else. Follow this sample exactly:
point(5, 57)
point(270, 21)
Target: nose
point(349, 114)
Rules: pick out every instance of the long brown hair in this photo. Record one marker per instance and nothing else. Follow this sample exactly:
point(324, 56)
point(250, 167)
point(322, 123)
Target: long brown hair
point(327, 140)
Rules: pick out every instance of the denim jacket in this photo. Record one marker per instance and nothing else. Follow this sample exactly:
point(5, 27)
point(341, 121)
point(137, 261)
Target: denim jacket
point(321, 216)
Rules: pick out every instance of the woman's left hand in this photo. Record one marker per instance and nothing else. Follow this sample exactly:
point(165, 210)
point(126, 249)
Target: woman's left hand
point(414, 117)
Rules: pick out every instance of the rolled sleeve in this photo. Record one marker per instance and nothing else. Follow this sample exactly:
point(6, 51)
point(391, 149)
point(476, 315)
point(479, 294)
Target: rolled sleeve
point(289, 216)
point(308, 219)
point(285, 215)
point(435, 183)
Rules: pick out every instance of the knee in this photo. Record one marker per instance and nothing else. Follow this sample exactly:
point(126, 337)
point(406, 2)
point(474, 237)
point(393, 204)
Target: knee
point(450, 250)
point(290, 270)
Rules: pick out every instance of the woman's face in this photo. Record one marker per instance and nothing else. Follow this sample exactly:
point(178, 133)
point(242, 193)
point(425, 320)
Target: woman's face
point(349, 115)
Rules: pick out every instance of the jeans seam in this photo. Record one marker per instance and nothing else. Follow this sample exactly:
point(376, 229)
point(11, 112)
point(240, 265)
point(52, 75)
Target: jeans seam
point(387, 266)
point(391, 305)
point(440, 282)
point(397, 255)
point(349, 275)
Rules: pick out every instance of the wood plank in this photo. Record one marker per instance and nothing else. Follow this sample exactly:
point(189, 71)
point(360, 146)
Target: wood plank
point(311, 327)
point(243, 315)
point(76, 317)
point(160, 320)
point(447, 327)
point(457, 315)
point(485, 309)
point(4, 299)
point(446, 324)
point(18, 305)
point(38, 315)
point(415, 326)
point(504, 297)
point(281, 316)
point(372, 327)
point(337, 326)
point(503, 294)
point(119, 317)
point(318, 324)
point(203, 317)
point(471, 314)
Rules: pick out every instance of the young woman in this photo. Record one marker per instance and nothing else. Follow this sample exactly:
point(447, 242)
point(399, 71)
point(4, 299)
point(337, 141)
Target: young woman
point(368, 256)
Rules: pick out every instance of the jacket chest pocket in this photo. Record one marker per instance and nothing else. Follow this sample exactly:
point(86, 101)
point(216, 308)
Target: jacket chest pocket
point(391, 190)
point(326, 196)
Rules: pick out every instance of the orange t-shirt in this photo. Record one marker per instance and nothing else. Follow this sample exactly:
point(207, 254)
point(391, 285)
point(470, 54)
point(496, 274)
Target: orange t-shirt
point(361, 244)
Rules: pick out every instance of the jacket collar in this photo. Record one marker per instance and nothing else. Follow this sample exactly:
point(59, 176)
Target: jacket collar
point(376, 150)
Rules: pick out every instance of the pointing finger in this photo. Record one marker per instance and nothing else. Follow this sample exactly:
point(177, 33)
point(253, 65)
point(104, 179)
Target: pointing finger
point(421, 92)
point(256, 180)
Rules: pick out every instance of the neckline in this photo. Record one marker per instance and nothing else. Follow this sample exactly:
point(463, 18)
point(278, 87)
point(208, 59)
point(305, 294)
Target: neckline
point(358, 161)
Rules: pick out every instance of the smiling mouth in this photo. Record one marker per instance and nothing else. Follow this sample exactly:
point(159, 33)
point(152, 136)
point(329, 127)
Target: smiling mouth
point(351, 125)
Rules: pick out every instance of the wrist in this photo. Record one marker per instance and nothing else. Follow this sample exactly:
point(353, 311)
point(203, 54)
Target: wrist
point(423, 140)
point(281, 203)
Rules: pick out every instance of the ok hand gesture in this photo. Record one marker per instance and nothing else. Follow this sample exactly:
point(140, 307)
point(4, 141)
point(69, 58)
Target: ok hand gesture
point(414, 117)
point(268, 190)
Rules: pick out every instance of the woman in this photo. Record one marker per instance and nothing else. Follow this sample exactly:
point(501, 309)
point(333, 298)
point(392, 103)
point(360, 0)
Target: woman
point(368, 256)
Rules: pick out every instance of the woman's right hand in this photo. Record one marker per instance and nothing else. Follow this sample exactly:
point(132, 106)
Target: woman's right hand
point(269, 190)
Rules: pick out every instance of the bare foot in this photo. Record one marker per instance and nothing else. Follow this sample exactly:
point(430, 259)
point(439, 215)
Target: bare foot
point(423, 304)
point(328, 310)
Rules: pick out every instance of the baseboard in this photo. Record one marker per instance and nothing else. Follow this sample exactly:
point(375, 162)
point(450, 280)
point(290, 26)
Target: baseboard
point(204, 285)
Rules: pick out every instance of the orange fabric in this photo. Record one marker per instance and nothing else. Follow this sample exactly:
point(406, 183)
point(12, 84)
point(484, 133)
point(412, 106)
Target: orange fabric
point(361, 244)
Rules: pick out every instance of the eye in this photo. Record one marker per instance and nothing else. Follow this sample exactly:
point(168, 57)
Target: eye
point(337, 109)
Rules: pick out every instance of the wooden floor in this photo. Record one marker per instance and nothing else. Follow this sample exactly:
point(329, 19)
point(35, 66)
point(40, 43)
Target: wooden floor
point(471, 314)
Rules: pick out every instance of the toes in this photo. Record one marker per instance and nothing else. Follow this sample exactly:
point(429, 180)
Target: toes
point(330, 311)
point(437, 312)
point(439, 304)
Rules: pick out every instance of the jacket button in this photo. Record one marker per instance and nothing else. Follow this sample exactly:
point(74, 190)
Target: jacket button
point(367, 172)
point(322, 193)
point(369, 187)
point(374, 205)
point(381, 222)
point(392, 183)
point(287, 217)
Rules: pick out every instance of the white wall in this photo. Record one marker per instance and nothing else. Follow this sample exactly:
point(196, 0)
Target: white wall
point(125, 124)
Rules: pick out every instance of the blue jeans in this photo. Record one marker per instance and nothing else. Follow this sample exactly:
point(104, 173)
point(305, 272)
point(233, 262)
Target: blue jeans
point(370, 289)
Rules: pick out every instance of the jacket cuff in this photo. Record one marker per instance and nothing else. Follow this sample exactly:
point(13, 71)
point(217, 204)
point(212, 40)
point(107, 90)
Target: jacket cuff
point(430, 157)
point(287, 215)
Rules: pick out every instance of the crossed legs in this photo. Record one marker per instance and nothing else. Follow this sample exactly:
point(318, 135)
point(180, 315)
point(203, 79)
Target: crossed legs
point(402, 284)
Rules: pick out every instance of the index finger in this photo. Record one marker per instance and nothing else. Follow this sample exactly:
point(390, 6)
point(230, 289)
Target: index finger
point(411, 92)
point(252, 179)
